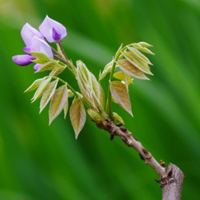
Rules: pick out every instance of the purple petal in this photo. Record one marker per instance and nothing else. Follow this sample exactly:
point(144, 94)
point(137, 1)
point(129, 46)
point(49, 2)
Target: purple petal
point(36, 66)
point(49, 26)
point(56, 36)
point(23, 60)
point(41, 46)
point(28, 32)
point(27, 49)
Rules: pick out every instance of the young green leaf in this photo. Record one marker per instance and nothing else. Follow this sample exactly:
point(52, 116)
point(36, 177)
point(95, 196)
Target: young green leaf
point(120, 94)
point(136, 62)
point(106, 70)
point(89, 86)
point(48, 93)
point(130, 69)
point(139, 55)
point(47, 66)
point(136, 45)
point(143, 49)
point(35, 84)
point(144, 44)
point(70, 93)
point(102, 98)
point(97, 93)
point(85, 82)
point(117, 117)
point(66, 106)
point(77, 116)
point(41, 57)
point(113, 99)
point(57, 70)
point(41, 89)
point(126, 80)
point(121, 76)
point(58, 102)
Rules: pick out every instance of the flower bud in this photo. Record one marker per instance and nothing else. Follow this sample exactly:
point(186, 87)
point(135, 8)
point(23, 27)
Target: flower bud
point(28, 32)
point(52, 30)
point(23, 60)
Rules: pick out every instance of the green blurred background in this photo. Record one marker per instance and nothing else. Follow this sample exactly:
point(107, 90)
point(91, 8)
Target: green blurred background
point(42, 162)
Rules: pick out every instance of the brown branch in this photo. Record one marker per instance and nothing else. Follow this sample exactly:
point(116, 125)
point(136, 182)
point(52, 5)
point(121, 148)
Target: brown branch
point(172, 183)
point(171, 179)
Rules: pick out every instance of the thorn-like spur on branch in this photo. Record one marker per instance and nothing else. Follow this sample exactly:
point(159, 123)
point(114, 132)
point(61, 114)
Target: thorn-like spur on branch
point(171, 179)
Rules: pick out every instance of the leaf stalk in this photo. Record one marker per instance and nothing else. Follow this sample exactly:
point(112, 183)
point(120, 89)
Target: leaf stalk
point(109, 99)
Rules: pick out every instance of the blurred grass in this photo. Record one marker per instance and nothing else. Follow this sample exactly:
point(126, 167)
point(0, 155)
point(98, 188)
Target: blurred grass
point(39, 162)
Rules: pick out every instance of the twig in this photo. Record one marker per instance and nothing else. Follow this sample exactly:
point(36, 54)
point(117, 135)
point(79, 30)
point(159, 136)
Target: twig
point(171, 179)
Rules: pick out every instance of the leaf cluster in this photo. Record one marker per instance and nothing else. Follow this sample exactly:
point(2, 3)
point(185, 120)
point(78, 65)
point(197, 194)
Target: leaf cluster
point(129, 62)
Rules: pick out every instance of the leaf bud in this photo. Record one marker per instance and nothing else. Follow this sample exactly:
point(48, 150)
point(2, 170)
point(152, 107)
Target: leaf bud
point(95, 116)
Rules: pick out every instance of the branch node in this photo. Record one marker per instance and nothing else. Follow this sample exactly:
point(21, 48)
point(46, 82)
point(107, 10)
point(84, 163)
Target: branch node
point(129, 133)
point(119, 124)
point(157, 180)
point(135, 138)
point(106, 119)
point(123, 129)
point(146, 153)
point(123, 139)
point(172, 180)
point(141, 157)
point(169, 173)
point(163, 164)
point(128, 143)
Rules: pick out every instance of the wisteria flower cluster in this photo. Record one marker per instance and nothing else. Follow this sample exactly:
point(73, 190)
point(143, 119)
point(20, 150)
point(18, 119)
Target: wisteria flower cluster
point(129, 62)
point(49, 30)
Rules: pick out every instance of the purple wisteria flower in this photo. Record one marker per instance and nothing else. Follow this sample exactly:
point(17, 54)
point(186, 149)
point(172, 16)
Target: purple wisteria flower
point(52, 30)
point(28, 32)
point(23, 60)
point(37, 45)
point(34, 40)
